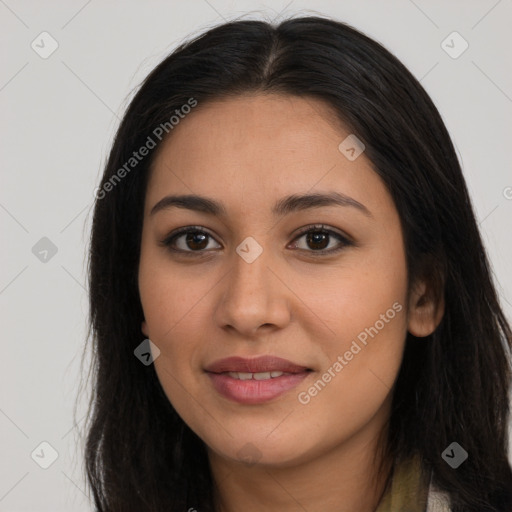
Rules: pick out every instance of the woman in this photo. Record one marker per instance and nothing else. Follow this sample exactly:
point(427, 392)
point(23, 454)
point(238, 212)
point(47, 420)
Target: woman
point(291, 305)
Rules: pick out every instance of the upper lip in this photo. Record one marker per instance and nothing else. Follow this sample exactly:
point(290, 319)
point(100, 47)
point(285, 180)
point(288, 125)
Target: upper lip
point(255, 365)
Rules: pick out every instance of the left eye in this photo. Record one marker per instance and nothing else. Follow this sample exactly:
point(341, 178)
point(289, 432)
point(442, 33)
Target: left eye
point(317, 238)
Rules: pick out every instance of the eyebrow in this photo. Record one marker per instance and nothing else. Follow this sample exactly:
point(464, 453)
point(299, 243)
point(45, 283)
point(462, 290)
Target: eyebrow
point(284, 206)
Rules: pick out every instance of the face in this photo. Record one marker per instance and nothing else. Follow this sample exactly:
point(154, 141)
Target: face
point(321, 285)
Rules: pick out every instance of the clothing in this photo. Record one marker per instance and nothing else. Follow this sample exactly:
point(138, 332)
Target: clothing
point(408, 491)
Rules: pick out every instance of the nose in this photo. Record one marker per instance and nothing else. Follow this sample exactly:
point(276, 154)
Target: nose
point(254, 297)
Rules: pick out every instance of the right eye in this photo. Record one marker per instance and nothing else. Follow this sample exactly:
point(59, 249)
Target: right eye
point(195, 241)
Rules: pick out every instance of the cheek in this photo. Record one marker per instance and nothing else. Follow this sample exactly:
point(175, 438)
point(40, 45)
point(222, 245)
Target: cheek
point(365, 308)
point(174, 301)
point(174, 313)
point(366, 294)
point(167, 292)
point(174, 321)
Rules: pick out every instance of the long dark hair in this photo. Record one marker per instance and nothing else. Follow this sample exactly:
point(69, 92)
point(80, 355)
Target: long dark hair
point(452, 385)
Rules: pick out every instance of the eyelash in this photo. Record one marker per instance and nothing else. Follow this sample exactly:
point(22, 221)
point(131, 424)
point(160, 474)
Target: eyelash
point(345, 242)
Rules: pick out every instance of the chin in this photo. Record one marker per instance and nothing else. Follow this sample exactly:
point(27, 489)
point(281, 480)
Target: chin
point(262, 453)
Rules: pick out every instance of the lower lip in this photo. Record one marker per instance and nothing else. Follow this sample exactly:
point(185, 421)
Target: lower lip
point(254, 391)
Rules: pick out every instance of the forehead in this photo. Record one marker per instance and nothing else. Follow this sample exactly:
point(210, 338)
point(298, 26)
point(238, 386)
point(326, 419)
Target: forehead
point(254, 149)
point(270, 120)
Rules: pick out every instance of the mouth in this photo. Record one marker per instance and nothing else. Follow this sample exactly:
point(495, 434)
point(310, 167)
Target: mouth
point(255, 381)
point(256, 376)
point(261, 364)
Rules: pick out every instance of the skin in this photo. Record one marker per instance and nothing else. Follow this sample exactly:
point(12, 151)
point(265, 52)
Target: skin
point(248, 152)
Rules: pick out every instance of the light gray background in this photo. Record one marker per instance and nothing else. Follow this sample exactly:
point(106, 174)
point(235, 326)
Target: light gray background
point(59, 116)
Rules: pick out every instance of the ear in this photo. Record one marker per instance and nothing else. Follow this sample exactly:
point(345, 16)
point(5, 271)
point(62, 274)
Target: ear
point(425, 310)
point(144, 328)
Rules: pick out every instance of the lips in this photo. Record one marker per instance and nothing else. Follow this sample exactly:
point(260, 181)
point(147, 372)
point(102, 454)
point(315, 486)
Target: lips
point(255, 381)
point(262, 364)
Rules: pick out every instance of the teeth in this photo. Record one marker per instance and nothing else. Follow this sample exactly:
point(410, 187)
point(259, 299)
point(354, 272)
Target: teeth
point(262, 376)
point(256, 376)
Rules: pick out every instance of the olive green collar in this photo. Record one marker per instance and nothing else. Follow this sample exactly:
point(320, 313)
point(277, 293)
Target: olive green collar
point(407, 490)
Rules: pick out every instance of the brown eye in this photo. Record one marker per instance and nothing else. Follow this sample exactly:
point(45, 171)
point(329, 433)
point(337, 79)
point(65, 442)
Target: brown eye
point(196, 240)
point(188, 240)
point(318, 239)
